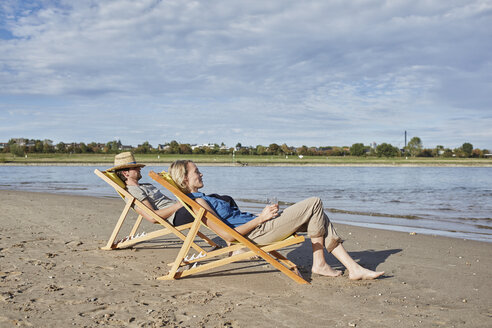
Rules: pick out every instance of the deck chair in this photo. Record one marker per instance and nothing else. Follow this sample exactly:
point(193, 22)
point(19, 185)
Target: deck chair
point(185, 264)
point(133, 238)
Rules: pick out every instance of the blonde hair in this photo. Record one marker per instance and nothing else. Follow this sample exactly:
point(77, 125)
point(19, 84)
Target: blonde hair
point(178, 171)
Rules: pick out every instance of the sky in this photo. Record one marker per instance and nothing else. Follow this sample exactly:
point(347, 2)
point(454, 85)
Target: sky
point(315, 73)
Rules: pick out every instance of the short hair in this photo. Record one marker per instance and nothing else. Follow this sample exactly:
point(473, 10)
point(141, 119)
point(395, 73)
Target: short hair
point(120, 174)
point(178, 171)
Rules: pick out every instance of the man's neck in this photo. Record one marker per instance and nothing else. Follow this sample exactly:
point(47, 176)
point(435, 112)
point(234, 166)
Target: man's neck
point(132, 182)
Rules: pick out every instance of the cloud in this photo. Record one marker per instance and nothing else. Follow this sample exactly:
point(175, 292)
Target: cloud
point(312, 72)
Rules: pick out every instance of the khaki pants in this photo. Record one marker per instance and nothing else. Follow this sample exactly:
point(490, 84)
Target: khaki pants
point(305, 216)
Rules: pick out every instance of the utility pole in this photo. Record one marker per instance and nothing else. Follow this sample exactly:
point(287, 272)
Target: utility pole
point(405, 139)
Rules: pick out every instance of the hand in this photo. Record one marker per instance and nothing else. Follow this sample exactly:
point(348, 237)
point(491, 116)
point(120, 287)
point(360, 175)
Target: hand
point(268, 213)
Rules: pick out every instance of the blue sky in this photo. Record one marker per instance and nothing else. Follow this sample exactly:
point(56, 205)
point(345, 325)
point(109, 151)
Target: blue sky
point(315, 73)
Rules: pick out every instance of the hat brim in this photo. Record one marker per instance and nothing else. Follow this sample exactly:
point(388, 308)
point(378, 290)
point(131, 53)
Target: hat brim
point(125, 166)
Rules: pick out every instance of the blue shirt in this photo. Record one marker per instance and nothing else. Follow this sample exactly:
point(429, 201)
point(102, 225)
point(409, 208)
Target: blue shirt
point(232, 216)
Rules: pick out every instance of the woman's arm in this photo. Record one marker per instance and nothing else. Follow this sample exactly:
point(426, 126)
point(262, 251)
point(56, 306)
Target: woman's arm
point(268, 213)
point(221, 232)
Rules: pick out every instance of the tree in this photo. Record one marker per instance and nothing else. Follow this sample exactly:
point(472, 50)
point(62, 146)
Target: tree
point(414, 146)
point(77, 148)
point(198, 150)
point(17, 150)
point(357, 149)
point(185, 149)
point(426, 153)
point(387, 150)
point(467, 148)
point(83, 148)
point(274, 149)
point(303, 150)
point(285, 149)
point(144, 148)
point(226, 151)
point(260, 150)
point(337, 151)
point(38, 146)
point(94, 147)
point(477, 153)
point(70, 148)
point(447, 153)
point(243, 151)
point(114, 146)
point(47, 148)
point(210, 150)
point(60, 147)
point(438, 151)
point(174, 147)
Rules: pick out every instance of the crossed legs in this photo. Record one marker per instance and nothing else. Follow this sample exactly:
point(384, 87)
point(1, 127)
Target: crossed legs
point(308, 215)
point(356, 271)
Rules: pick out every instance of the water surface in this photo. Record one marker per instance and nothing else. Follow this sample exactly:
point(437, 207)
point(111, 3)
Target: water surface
point(447, 201)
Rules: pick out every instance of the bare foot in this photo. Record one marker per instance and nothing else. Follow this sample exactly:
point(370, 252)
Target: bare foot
point(364, 274)
point(326, 270)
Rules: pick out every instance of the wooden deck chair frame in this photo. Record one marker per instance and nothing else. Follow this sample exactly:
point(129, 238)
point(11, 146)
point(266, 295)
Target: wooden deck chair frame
point(185, 265)
point(134, 238)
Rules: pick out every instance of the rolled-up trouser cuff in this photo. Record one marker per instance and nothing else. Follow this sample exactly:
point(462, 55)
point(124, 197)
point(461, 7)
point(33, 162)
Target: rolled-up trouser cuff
point(333, 244)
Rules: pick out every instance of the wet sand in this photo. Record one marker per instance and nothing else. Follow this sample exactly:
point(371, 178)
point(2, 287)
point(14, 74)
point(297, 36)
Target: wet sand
point(53, 273)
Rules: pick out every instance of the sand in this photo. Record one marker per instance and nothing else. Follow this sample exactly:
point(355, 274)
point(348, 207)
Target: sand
point(52, 273)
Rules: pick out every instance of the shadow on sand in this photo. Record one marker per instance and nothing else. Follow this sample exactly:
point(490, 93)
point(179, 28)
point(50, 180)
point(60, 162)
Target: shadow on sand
point(370, 259)
point(300, 254)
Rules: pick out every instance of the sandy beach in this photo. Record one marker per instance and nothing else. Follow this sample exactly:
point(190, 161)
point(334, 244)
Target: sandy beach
point(54, 274)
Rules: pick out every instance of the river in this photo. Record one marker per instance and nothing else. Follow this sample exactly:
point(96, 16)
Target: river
point(446, 201)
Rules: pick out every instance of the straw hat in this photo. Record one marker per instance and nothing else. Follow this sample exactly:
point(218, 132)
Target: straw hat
point(124, 161)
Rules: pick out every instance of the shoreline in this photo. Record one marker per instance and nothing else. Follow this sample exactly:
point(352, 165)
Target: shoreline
point(54, 274)
point(246, 205)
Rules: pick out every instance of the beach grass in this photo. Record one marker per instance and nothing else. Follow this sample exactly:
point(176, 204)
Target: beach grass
point(251, 160)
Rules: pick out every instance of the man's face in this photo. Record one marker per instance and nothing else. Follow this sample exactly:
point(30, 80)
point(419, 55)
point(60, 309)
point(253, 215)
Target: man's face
point(134, 173)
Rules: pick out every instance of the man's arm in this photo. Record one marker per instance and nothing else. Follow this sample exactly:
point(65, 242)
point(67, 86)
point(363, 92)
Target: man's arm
point(163, 213)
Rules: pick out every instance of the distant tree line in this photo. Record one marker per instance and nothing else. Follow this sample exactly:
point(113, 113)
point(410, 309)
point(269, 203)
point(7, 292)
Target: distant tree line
point(414, 148)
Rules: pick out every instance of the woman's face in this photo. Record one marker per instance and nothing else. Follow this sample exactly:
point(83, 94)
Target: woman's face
point(193, 177)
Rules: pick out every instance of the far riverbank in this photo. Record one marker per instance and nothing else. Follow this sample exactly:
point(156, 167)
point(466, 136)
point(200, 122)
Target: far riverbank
point(104, 160)
point(165, 164)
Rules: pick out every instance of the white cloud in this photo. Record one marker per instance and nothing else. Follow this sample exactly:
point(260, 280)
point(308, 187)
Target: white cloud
point(312, 72)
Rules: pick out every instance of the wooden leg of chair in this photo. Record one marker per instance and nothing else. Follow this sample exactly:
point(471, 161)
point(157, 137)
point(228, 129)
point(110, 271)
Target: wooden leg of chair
point(294, 274)
point(117, 228)
point(136, 225)
point(283, 260)
point(186, 245)
point(208, 240)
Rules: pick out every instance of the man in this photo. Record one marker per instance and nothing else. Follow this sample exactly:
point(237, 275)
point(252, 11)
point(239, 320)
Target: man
point(128, 170)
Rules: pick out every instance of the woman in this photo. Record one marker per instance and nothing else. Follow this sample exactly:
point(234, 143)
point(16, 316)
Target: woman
point(270, 225)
